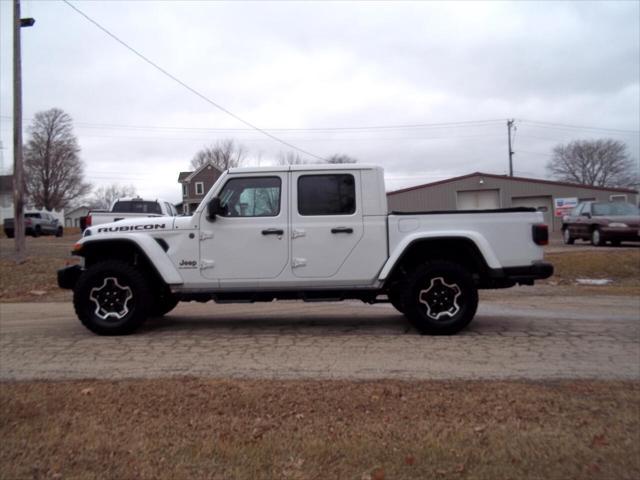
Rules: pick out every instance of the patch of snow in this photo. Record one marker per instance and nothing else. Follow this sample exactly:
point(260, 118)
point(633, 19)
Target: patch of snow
point(593, 281)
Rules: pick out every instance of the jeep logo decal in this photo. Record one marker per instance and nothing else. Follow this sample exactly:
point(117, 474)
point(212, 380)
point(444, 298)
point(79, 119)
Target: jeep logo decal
point(131, 228)
point(188, 264)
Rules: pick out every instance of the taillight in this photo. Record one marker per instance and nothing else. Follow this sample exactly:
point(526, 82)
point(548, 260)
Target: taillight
point(540, 234)
point(88, 221)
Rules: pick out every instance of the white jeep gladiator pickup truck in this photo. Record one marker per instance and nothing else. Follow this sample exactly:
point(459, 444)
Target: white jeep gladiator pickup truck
point(304, 232)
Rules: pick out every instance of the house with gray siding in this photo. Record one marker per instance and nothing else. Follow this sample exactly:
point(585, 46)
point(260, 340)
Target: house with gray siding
point(478, 191)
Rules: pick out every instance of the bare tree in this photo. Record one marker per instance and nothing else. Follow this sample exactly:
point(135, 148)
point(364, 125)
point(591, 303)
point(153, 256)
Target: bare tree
point(290, 158)
point(603, 163)
point(54, 172)
point(103, 197)
point(223, 154)
point(341, 158)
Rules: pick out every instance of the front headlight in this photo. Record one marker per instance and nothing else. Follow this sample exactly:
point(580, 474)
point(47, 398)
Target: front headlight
point(618, 225)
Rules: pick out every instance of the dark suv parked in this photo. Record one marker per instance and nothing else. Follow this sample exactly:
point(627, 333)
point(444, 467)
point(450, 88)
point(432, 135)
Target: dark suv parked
point(36, 224)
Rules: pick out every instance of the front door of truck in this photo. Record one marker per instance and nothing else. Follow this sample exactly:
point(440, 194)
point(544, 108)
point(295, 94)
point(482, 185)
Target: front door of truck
point(249, 241)
point(326, 223)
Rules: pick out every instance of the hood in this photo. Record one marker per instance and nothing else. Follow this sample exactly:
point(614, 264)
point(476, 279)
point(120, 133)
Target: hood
point(133, 225)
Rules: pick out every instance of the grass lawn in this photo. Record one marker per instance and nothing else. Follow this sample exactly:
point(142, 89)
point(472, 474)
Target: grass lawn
point(225, 429)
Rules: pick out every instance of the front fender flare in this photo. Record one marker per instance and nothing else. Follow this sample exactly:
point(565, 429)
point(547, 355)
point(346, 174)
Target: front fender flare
point(146, 245)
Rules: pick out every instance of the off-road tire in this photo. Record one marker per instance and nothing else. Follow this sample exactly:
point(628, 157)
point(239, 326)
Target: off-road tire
point(395, 299)
point(596, 238)
point(59, 232)
point(127, 279)
point(162, 304)
point(397, 304)
point(452, 285)
point(36, 231)
point(9, 234)
point(566, 237)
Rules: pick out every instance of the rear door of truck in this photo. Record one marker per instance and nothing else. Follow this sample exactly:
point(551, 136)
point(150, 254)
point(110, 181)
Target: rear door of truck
point(326, 222)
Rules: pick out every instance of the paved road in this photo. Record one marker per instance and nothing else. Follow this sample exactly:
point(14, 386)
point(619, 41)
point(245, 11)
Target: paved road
point(516, 336)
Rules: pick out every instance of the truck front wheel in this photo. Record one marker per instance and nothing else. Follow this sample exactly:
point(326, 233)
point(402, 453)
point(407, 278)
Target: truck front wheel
point(112, 298)
point(162, 304)
point(440, 299)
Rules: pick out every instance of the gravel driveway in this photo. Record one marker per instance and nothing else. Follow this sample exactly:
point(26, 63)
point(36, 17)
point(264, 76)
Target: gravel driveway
point(519, 336)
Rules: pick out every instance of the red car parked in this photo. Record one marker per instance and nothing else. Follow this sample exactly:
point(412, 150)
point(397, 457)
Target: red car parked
point(602, 222)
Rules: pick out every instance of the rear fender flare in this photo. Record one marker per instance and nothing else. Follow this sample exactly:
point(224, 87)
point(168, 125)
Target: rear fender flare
point(478, 240)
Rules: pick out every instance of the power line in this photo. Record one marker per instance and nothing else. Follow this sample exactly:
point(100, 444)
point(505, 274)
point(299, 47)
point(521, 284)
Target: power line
point(459, 124)
point(576, 127)
point(192, 90)
point(471, 123)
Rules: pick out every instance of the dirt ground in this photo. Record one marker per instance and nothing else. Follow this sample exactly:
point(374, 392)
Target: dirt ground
point(226, 429)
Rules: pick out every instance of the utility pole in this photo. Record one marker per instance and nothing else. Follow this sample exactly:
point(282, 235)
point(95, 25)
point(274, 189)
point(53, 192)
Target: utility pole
point(509, 127)
point(18, 173)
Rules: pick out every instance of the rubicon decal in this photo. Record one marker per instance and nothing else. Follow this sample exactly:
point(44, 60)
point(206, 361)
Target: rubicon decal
point(133, 228)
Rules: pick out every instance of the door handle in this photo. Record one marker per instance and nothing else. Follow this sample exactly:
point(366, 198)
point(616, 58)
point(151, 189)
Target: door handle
point(273, 231)
point(342, 230)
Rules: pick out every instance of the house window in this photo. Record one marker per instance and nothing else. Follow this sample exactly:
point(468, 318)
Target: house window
point(199, 188)
point(618, 198)
point(185, 190)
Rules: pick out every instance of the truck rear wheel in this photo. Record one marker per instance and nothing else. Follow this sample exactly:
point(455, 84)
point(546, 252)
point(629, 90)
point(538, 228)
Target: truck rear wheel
point(440, 299)
point(395, 298)
point(112, 298)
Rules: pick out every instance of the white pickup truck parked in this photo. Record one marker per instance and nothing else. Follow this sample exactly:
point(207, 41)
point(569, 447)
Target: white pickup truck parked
point(127, 208)
point(309, 233)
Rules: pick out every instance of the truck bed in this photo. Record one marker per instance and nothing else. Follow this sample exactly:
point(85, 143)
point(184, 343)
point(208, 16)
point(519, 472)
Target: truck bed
point(502, 235)
point(449, 212)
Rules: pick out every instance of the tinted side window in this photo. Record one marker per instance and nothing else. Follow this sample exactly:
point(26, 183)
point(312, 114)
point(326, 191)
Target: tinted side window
point(251, 197)
point(333, 194)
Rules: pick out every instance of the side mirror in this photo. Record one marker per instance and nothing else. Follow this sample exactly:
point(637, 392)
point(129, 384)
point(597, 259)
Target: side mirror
point(214, 208)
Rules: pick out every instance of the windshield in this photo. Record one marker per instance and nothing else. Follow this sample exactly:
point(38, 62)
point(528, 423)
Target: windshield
point(137, 206)
point(615, 209)
point(32, 215)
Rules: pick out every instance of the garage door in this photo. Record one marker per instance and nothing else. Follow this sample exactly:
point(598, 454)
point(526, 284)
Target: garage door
point(478, 199)
point(542, 204)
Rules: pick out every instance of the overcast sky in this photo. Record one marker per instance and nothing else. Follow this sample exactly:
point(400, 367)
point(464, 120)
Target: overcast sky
point(303, 65)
